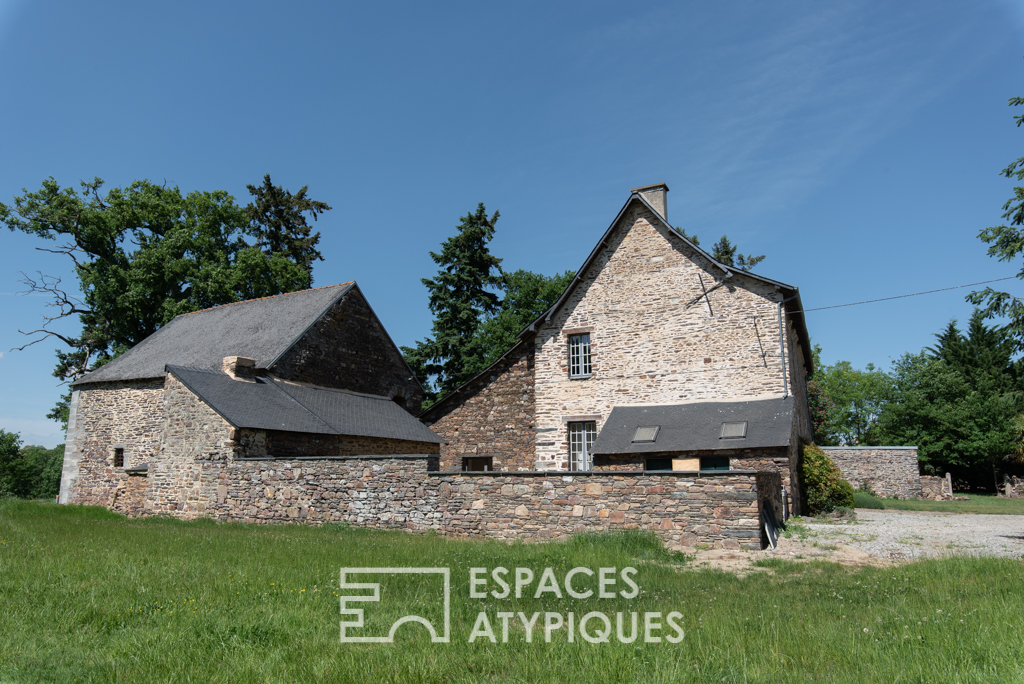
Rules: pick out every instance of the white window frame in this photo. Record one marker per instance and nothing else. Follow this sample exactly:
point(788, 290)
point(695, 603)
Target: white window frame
point(582, 435)
point(580, 365)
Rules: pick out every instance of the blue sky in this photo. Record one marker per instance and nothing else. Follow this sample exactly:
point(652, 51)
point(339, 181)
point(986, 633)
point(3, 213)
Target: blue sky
point(857, 144)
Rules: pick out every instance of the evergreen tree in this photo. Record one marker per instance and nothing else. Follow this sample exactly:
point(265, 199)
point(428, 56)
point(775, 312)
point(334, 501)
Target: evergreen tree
point(958, 403)
point(462, 294)
point(724, 252)
point(279, 224)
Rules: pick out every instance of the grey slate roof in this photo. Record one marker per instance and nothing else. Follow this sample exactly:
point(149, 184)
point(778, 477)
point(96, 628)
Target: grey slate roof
point(697, 427)
point(260, 329)
point(273, 404)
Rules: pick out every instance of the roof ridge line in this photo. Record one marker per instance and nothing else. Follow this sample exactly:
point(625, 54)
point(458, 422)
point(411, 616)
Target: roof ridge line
point(258, 299)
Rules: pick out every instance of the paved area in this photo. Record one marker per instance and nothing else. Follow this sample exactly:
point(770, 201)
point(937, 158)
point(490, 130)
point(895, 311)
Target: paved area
point(910, 535)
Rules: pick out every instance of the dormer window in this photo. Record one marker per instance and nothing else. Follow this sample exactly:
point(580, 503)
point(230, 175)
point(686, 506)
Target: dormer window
point(579, 355)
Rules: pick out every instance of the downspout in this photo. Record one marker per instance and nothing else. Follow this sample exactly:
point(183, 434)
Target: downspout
point(782, 350)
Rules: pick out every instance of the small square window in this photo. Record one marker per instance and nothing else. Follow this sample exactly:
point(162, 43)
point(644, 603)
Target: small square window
point(579, 356)
point(646, 434)
point(734, 430)
point(119, 458)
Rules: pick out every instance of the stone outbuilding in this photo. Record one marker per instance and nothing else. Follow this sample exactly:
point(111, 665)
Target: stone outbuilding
point(311, 373)
point(656, 357)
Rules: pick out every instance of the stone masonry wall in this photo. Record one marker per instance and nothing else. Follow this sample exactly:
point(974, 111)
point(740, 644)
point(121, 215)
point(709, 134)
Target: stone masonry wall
point(889, 471)
point(937, 488)
point(492, 416)
point(127, 415)
point(348, 348)
point(653, 337)
point(259, 443)
point(130, 495)
point(722, 511)
point(196, 443)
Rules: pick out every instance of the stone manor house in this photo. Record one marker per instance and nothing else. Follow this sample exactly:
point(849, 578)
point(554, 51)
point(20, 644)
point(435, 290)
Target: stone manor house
point(663, 391)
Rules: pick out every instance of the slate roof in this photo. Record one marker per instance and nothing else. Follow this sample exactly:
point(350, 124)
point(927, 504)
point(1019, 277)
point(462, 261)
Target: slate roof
point(260, 329)
point(273, 404)
point(697, 427)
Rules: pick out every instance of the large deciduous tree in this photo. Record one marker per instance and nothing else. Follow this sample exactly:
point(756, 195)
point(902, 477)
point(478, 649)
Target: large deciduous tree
point(144, 254)
point(1006, 243)
point(847, 402)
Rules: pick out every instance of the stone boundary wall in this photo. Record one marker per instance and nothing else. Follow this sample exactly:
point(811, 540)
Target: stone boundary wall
point(408, 492)
point(937, 488)
point(888, 471)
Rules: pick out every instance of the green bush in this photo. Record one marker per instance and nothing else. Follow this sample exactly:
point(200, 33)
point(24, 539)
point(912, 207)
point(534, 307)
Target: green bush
point(824, 486)
point(863, 500)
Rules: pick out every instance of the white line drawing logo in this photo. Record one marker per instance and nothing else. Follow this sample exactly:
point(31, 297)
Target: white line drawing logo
point(357, 613)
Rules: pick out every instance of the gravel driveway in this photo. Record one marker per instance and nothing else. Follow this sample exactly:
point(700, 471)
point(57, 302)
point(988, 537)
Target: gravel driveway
point(909, 535)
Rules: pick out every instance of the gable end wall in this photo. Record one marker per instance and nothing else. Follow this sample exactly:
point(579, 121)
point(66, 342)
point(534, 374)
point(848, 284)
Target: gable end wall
point(349, 349)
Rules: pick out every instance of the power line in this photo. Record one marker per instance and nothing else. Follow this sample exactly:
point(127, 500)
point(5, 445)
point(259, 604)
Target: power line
point(915, 294)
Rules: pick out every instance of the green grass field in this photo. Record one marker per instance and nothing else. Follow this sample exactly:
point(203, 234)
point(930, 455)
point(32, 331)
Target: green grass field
point(978, 503)
point(90, 596)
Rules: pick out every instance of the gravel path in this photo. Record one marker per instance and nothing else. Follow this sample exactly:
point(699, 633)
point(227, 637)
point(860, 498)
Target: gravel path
point(909, 535)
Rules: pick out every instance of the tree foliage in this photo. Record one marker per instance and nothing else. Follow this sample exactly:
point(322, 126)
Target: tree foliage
point(145, 253)
point(461, 294)
point(30, 472)
point(279, 224)
point(1006, 243)
point(847, 402)
point(958, 403)
point(724, 252)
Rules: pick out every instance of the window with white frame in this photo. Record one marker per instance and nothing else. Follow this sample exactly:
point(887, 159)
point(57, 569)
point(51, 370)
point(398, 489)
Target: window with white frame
point(579, 356)
point(581, 442)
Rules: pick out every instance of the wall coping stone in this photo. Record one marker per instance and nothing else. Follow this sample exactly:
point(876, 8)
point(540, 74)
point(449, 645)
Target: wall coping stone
point(336, 458)
point(865, 448)
point(591, 473)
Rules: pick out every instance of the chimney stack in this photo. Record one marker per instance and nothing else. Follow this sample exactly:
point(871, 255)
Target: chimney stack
point(239, 367)
point(656, 196)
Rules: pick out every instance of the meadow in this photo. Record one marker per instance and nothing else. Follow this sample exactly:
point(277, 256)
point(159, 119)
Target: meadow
point(976, 503)
point(89, 596)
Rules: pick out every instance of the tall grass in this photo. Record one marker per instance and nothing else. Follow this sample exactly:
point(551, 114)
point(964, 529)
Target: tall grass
point(90, 596)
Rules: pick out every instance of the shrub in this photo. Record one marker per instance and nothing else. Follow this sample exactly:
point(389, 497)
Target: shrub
point(863, 500)
point(824, 486)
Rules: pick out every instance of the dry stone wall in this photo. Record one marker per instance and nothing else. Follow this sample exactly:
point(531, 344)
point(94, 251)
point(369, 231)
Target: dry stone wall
point(492, 416)
point(115, 415)
point(937, 488)
point(655, 338)
point(888, 471)
point(348, 348)
point(260, 443)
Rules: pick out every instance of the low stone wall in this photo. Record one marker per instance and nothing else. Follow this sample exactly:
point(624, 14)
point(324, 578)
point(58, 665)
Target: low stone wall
point(722, 510)
point(888, 471)
point(937, 488)
point(684, 509)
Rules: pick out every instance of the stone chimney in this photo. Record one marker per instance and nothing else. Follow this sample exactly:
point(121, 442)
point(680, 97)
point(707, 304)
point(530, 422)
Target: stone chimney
point(656, 196)
point(239, 367)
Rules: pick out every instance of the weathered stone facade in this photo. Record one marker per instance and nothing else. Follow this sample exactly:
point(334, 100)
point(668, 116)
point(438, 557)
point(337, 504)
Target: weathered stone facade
point(491, 416)
point(124, 415)
point(888, 471)
point(348, 348)
point(655, 338)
